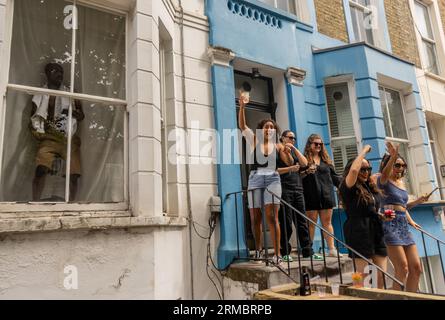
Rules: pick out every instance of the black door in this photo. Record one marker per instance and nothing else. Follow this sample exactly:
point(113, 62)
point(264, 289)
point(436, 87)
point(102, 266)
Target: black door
point(261, 106)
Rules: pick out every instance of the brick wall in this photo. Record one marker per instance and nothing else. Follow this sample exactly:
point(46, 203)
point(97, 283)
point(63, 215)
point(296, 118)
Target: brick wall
point(401, 30)
point(442, 12)
point(331, 19)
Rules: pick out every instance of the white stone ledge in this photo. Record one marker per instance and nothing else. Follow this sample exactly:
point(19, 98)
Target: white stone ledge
point(67, 223)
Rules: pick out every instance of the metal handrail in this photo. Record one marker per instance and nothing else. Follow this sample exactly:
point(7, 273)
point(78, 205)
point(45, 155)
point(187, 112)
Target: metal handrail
point(324, 230)
point(439, 242)
point(430, 235)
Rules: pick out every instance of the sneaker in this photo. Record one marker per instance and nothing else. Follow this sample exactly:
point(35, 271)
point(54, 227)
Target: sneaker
point(276, 260)
point(287, 258)
point(259, 254)
point(317, 257)
point(334, 253)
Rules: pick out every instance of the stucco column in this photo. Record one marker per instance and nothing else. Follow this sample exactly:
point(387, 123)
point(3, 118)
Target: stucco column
point(371, 119)
point(296, 104)
point(232, 241)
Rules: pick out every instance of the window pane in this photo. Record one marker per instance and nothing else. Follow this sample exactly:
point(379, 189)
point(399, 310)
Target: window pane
point(339, 110)
point(396, 114)
point(430, 56)
point(41, 34)
point(102, 135)
point(361, 24)
point(25, 150)
point(34, 164)
point(343, 151)
point(385, 112)
point(293, 10)
point(269, 2)
point(100, 60)
point(283, 4)
point(259, 92)
point(423, 21)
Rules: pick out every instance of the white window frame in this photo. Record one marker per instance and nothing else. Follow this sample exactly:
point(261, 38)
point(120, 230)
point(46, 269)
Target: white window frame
point(424, 39)
point(5, 87)
point(299, 9)
point(407, 142)
point(164, 129)
point(434, 150)
point(366, 10)
point(348, 79)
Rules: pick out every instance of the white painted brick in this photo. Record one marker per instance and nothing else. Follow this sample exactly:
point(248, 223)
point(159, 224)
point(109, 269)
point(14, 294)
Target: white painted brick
point(146, 29)
point(423, 173)
point(177, 194)
point(145, 7)
point(200, 195)
point(175, 113)
point(203, 143)
point(147, 189)
point(144, 88)
point(412, 119)
point(145, 121)
point(197, 69)
point(196, 43)
point(178, 88)
point(202, 173)
point(146, 155)
point(416, 137)
point(201, 114)
point(143, 56)
point(2, 21)
point(198, 92)
point(177, 172)
point(418, 155)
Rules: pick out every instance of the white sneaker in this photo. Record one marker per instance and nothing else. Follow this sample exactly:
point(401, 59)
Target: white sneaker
point(334, 253)
point(276, 260)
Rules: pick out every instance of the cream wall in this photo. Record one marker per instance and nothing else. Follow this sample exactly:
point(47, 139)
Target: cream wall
point(152, 254)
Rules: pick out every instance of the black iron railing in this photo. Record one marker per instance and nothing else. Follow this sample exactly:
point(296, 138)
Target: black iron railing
point(286, 206)
point(430, 274)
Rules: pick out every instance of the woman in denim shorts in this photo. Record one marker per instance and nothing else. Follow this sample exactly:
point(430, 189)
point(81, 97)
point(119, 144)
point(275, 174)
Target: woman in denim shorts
point(264, 181)
point(402, 250)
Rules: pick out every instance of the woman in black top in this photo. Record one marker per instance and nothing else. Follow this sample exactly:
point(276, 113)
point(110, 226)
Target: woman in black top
point(363, 227)
point(289, 164)
point(318, 187)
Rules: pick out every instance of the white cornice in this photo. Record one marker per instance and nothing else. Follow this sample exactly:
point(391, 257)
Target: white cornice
point(220, 56)
point(296, 76)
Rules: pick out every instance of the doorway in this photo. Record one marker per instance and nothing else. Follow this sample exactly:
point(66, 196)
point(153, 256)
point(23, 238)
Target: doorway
point(262, 105)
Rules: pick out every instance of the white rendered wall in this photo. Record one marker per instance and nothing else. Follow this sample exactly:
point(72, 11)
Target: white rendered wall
point(154, 262)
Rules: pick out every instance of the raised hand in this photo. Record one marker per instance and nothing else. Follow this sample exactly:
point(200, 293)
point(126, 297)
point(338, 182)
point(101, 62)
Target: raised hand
point(243, 99)
point(367, 149)
point(393, 150)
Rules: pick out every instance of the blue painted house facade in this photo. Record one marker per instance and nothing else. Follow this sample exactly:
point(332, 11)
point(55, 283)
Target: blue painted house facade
point(305, 67)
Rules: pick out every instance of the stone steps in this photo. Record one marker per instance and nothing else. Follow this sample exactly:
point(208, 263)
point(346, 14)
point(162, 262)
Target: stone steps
point(243, 279)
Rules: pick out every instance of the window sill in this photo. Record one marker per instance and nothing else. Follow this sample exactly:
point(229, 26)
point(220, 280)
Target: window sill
point(27, 223)
point(434, 76)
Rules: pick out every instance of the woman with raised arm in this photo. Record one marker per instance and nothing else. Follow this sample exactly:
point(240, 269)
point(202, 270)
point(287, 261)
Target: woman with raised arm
point(264, 181)
point(402, 250)
point(318, 187)
point(363, 227)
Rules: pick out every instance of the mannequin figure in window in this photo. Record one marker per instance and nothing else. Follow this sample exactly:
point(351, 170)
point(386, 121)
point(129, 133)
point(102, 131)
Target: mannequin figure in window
point(49, 125)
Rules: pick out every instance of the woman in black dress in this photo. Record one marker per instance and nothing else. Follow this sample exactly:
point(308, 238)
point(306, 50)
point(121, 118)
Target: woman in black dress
point(318, 187)
point(363, 228)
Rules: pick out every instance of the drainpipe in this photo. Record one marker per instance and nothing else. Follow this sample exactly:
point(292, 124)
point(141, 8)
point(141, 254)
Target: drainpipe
point(187, 165)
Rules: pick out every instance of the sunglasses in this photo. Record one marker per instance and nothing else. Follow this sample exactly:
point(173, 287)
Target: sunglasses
point(399, 165)
point(317, 144)
point(292, 138)
point(366, 170)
